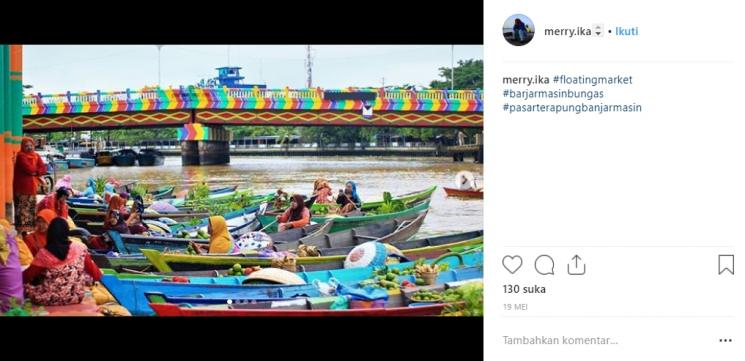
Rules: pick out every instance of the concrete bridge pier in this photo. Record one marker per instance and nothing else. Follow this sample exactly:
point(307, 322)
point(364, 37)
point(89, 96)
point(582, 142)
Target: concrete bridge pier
point(212, 149)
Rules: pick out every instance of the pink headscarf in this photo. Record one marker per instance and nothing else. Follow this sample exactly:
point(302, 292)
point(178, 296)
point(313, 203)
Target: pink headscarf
point(66, 182)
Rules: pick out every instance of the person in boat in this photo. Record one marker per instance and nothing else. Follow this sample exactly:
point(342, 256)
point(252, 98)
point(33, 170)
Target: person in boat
point(280, 198)
point(61, 270)
point(220, 239)
point(465, 185)
point(116, 216)
point(24, 253)
point(28, 168)
point(11, 273)
point(322, 191)
point(66, 182)
point(37, 239)
point(134, 222)
point(296, 216)
point(56, 201)
point(348, 198)
point(90, 189)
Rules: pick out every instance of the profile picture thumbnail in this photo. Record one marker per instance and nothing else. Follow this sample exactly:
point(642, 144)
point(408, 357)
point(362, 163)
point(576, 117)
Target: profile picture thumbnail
point(518, 30)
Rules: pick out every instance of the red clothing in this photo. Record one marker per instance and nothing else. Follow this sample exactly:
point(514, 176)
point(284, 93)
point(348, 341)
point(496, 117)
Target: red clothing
point(302, 222)
point(50, 202)
point(28, 168)
point(37, 267)
point(35, 241)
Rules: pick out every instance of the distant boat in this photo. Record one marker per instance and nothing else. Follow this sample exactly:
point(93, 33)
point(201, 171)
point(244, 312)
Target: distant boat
point(79, 162)
point(51, 155)
point(125, 158)
point(104, 158)
point(150, 157)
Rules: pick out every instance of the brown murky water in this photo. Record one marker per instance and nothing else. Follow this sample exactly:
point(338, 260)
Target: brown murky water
point(373, 176)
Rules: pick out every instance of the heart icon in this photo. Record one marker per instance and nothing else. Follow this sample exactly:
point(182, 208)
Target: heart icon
point(512, 263)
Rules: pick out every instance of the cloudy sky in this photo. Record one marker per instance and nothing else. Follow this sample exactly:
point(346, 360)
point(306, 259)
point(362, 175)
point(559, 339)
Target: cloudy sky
point(59, 68)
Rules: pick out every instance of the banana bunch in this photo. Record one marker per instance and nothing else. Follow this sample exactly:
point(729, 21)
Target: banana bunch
point(427, 268)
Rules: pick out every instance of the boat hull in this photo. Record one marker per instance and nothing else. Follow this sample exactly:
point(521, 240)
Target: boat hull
point(461, 193)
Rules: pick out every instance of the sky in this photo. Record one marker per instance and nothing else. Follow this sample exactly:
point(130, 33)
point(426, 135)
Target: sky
point(61, 68)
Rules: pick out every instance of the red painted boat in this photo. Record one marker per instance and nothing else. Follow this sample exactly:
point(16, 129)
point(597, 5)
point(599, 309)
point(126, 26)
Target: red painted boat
point(452, 192)
point(170, 309)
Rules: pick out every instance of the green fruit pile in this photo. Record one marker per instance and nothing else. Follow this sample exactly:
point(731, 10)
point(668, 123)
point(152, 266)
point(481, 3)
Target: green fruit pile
point(426, 296)
point(236, 270)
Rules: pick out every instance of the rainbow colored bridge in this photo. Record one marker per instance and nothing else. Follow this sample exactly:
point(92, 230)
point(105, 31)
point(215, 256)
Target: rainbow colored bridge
point(155, 107)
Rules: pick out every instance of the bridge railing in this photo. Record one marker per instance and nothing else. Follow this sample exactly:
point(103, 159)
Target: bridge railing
point(248, 93)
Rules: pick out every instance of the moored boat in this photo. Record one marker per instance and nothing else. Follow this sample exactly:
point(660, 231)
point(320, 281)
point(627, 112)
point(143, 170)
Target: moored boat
point(169, 262)
point(350, 221)
point(129, 289)
point(452, 192)
point(104, 158)
point(125, 158)
point(150, 157)
point(78, 162)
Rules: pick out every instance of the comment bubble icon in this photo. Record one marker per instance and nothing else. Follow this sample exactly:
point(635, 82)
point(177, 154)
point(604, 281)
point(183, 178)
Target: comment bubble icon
point(544, 265)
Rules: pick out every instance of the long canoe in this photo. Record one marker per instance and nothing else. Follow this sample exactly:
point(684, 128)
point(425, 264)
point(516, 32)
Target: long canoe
point(169, 262)
point(452, 192)
point(221, 198)
point(346, 222)
point(407, 198)
point(169, 309)
point(132, 244)
point(390, 231)
point(129, 289)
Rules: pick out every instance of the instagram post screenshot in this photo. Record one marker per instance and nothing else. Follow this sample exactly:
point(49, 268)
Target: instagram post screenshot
point(615, 147)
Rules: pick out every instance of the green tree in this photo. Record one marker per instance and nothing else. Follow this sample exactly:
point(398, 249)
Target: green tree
point(469, 74)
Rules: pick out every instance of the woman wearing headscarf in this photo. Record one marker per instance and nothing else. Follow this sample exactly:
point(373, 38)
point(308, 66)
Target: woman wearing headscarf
point(134, 222)
point(220, 239)
point(348, 199)
point(296, 216)
point(37, 239)
point(90, 188)
point(57, 202)
point(24, 253)
point(116, 216)
point(66, 182)
point(11, 267)
point(28, 168)
point(61, 271)
point(322, 191)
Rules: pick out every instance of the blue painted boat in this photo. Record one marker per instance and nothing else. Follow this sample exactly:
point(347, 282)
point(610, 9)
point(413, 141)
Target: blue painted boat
point(129, 290)
point(221, 298)
point(81, 162)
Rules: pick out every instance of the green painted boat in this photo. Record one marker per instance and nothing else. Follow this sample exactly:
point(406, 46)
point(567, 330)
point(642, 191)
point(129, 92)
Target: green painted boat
point(268, 220)
point(170, 262)
point(407, 199)
point(222, 198)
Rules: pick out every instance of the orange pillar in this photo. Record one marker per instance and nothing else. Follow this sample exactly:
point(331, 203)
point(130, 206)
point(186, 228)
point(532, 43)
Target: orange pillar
point(16, 93)
point(5, 131)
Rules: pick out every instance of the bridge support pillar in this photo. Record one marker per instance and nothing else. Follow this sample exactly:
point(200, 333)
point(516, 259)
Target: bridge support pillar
point(210, 146)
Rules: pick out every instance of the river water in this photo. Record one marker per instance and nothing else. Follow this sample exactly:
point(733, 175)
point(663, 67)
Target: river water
point(373, 176)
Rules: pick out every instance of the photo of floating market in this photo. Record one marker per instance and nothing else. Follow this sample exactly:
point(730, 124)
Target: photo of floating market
point(243, 181)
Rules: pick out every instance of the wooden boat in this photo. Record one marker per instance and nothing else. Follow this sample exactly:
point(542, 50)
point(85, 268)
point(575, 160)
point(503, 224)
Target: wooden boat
point(350, 221)
point(218, 198)
point(150, 157)
point(464, 274)
point(452, 192)
point(169, 262)
point(389, 231)
point(104, 158)
point(97, 214)
point(129, 289)
point(407, 198)
point(75, 163)
point(305, 308)
point(132, 244)
point(125, 158)
point(163, 192)
point(220, 190)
